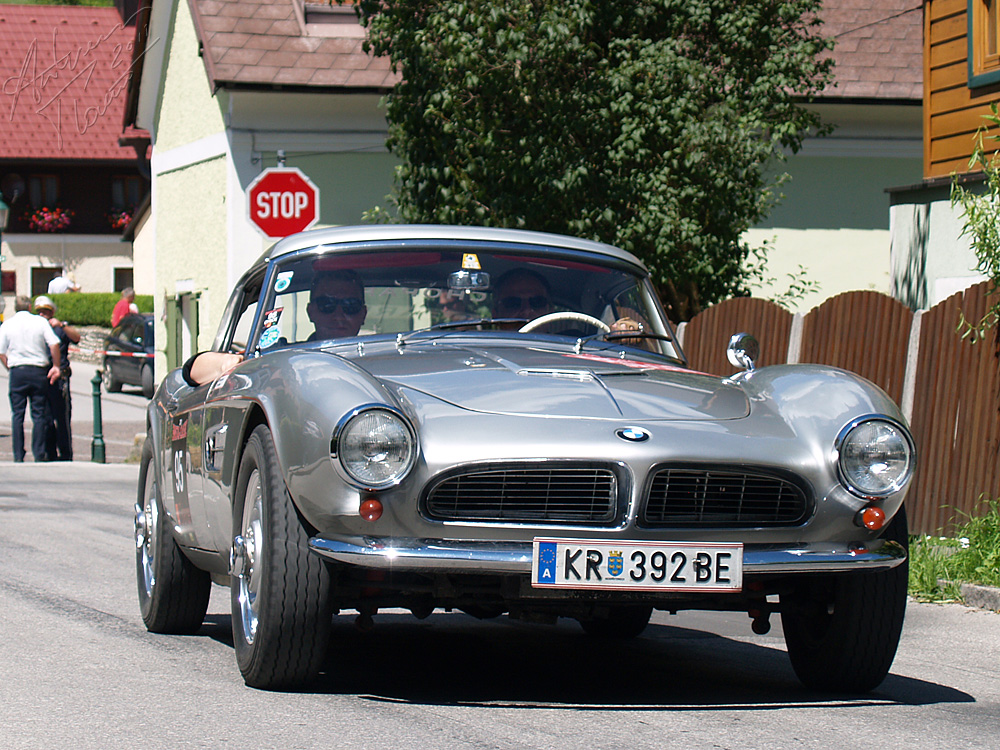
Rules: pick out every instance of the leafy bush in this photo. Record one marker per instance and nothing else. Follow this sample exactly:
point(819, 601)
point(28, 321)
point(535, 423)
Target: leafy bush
point(93, 308)
point(981, 212)
point(938, 565)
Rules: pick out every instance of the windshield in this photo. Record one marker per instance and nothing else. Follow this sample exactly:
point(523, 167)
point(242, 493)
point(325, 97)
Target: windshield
point(320, 296)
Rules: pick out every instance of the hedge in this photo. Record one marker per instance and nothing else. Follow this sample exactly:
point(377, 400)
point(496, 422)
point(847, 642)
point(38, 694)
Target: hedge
point(93, 308)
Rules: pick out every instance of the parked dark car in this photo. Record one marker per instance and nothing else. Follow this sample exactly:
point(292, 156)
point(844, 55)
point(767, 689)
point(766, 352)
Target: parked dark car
point(128, 355)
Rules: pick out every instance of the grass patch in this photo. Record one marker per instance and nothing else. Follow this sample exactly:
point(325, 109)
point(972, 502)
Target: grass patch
point(939, 565)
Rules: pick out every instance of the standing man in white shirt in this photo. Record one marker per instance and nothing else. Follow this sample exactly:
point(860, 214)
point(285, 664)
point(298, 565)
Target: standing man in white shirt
point(27, 347)
point(62, 283)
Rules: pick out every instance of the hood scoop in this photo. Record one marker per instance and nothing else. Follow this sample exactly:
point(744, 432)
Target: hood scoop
point(580, 376)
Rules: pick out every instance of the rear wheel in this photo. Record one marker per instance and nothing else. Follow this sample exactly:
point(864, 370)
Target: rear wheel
point(111, 383)
point(173, 593)
point(620, 622)
point(842, 631)
point(281, 601)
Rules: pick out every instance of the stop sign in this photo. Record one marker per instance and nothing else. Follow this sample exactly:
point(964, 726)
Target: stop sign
point(283, 201)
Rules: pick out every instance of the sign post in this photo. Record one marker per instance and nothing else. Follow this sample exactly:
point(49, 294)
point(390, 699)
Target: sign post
point(282, 201)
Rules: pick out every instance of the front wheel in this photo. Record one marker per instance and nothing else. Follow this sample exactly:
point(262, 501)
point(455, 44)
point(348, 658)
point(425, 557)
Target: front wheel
point(842, 631)
point(281, 603)
point(173, 593)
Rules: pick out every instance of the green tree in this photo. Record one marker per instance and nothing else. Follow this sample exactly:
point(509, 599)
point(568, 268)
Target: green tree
point(981, 211)
point(647, 124)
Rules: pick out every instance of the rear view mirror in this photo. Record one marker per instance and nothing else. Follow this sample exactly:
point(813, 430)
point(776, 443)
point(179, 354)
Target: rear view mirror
point(468, 280)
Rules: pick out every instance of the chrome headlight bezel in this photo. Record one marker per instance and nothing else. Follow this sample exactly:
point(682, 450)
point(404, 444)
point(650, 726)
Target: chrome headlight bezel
point(402, 444)
point(858, 475)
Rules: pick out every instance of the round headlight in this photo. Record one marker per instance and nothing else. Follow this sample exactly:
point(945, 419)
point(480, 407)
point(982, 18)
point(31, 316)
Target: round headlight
point(376, 448)
point(876, 457)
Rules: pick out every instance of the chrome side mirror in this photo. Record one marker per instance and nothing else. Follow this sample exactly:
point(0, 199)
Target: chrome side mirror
point(743, 351)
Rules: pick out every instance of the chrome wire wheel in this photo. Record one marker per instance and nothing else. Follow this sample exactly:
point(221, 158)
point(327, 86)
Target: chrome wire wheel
point(173, 593)
point(247, 548)
point(147, 526)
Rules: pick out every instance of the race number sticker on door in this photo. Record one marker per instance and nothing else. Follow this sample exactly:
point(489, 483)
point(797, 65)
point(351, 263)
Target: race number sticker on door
point(637, 566)
point(179, 428)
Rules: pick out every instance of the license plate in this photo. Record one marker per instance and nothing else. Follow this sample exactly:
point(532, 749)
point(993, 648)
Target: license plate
point(637, 566)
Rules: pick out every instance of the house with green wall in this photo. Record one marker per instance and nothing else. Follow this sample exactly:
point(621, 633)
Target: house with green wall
point(228, 88)
point(225, 90)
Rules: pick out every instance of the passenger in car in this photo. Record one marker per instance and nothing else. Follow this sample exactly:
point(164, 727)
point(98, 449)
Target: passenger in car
point(204, 367)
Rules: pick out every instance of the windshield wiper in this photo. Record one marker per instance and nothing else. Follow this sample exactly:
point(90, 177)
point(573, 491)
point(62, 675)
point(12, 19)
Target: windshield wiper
point(619, 335)
point(475, 323)
point(603, 341)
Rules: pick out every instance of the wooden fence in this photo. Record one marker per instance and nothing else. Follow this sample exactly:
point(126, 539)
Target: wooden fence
point(947, 386)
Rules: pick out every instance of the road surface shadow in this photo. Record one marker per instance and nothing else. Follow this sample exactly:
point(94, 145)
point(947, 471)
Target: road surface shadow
point(453, 659)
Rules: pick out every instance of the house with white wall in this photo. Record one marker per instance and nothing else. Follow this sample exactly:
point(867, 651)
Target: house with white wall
point(71, 177)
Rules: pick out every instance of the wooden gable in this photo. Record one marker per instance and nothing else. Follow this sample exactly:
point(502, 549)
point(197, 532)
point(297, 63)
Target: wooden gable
point(957, 88)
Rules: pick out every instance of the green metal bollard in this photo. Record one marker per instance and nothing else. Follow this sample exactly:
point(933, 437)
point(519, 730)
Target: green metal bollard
point(97, 446)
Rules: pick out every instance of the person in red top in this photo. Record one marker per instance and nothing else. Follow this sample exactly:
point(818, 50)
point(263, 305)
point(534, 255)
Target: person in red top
point(124, 306)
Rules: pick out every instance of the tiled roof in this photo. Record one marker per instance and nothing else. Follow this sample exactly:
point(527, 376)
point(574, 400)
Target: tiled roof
point(64, 71)
point(879, 48)
point(878, 51)
point(268, 43)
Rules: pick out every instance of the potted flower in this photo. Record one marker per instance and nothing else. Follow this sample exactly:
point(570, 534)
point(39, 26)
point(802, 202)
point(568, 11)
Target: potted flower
point(49, 219)
point(119, 218)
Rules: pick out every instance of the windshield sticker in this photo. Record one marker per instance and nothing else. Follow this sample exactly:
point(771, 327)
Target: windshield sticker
point(269, 338)
point(283, 281)
point(271, 331)
point(271, 317)
point(470, 261)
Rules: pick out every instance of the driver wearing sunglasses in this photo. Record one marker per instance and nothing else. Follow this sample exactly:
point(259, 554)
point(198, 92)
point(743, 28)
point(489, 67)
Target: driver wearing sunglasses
point(522, 294)
point(336, 305)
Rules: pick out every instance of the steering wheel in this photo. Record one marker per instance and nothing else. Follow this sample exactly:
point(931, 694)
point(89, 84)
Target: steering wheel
point(542, 320)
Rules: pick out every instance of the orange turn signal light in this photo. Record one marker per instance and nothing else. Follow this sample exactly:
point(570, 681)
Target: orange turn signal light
point(371, 509)
point(871, 518)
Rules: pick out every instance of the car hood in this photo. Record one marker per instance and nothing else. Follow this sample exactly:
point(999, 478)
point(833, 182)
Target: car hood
point(543, 382)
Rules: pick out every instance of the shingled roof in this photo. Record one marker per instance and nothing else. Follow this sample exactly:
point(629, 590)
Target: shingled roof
point(64, 71)
point(878, 52)
point(271, 43)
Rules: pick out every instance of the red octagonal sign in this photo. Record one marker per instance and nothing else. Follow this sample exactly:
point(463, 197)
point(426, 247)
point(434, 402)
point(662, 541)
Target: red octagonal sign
point(283, 201)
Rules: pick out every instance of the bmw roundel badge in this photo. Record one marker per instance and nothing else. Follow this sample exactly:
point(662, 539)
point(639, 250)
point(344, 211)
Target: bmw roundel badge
point(632, 434)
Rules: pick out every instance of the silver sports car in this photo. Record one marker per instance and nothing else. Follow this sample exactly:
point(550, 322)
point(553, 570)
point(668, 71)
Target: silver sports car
point(502, 422)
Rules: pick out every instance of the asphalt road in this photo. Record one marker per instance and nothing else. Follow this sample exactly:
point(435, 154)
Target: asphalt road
point(123, 418)
point(79, 669)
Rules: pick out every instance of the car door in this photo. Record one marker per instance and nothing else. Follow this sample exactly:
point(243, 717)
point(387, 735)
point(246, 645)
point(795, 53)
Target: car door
point(222, 424)
point(114, 349)
point(120, 349)
point(133, 338)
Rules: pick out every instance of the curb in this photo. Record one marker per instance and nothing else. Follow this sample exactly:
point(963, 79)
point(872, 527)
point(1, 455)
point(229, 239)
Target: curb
point(974, 595)
point(984, 597)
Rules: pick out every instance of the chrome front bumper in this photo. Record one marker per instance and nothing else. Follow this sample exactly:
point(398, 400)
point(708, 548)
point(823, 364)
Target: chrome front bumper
point(446, 556)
